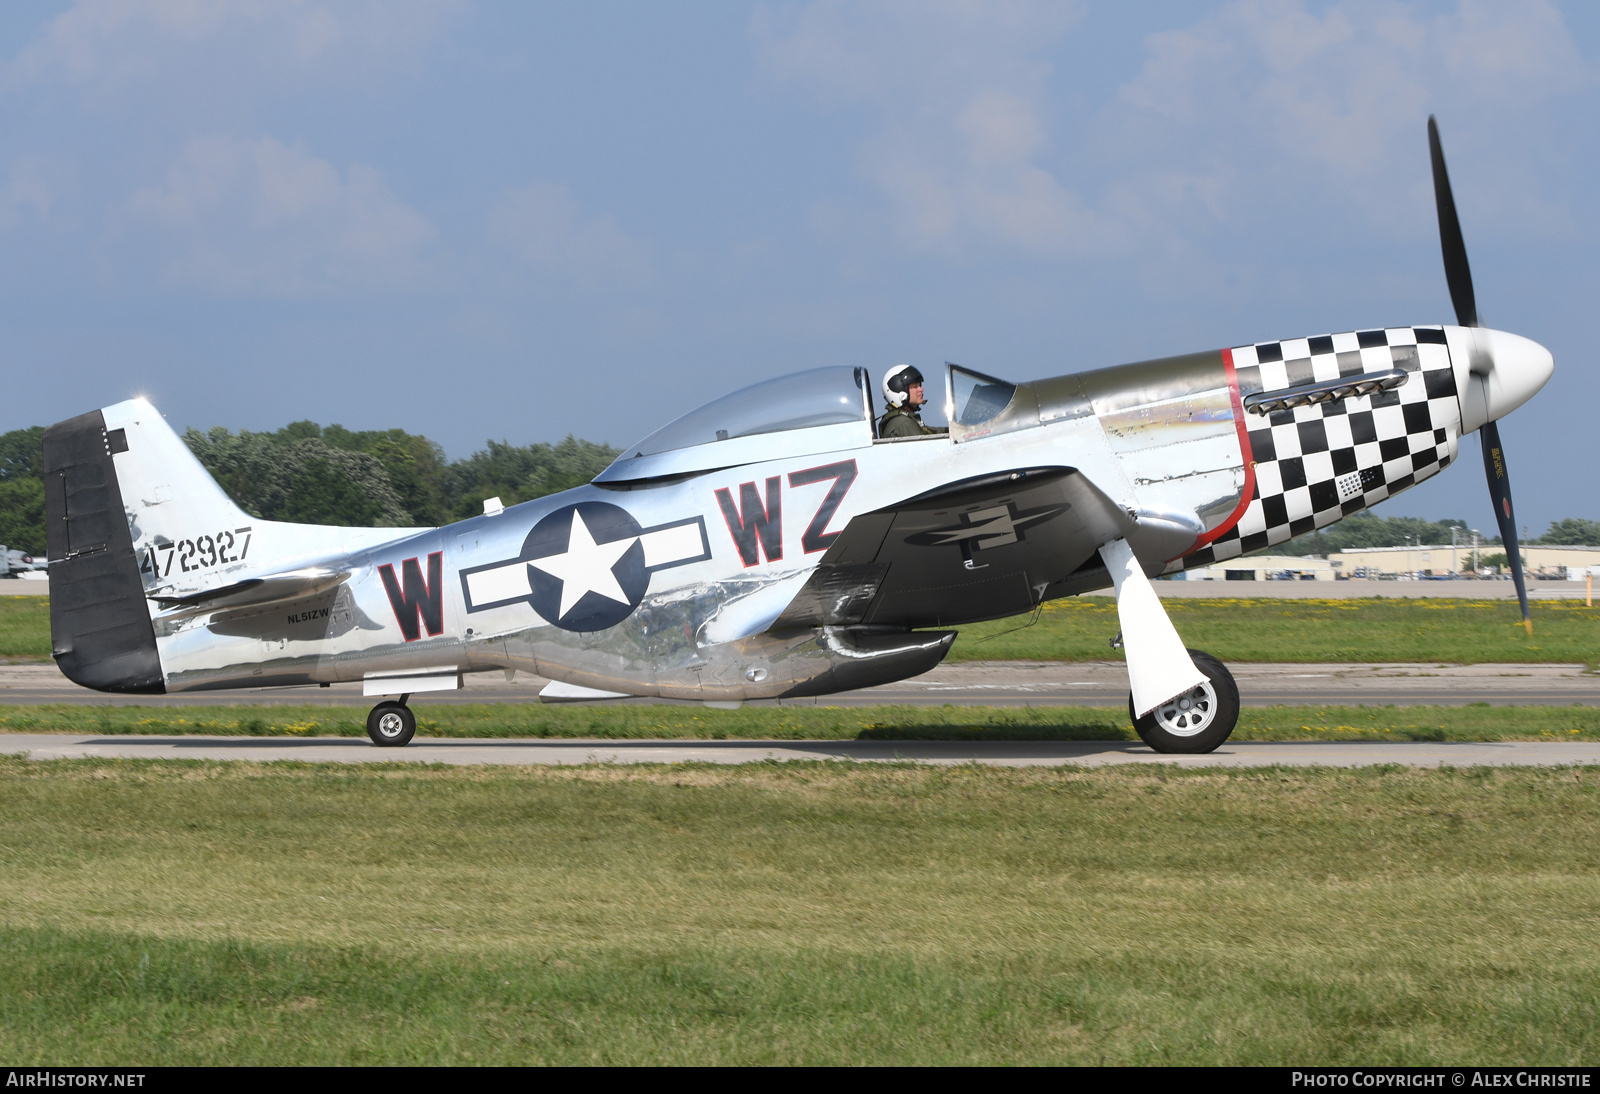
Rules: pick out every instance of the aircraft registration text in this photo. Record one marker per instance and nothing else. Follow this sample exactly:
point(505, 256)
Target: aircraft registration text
point(198, 553)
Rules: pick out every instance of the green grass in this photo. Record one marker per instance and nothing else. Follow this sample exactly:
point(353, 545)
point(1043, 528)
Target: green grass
point(1455, 631)
point(1462, 632)
point(1477, 722)
point(24, 628)
point(195, 913)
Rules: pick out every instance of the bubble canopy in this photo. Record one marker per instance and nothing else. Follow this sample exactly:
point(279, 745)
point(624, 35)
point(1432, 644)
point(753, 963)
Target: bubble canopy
point(800, 400)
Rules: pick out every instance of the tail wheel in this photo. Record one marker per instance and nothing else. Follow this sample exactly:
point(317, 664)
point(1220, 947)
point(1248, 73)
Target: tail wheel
point(1198, 720)
point(391, 725)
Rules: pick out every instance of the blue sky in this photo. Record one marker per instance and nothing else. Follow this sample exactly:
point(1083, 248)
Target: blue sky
point(517, 221)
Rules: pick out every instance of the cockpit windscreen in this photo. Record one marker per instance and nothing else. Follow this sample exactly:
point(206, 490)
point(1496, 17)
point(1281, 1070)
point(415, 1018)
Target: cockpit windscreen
point(801, 400)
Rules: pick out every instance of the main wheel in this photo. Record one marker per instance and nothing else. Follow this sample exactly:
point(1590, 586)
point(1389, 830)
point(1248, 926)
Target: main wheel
point(391, 725)
point(1198, 720)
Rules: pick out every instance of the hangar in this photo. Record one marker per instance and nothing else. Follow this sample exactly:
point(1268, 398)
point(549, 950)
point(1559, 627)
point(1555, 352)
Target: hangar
point(1265, 568)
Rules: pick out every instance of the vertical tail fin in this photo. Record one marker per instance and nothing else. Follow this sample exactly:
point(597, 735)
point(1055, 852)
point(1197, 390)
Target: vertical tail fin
point(168, 494)
point(188, 535)
point(135, 520)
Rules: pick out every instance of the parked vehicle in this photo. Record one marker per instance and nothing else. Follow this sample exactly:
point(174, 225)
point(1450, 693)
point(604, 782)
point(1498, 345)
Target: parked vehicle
point(16, 563)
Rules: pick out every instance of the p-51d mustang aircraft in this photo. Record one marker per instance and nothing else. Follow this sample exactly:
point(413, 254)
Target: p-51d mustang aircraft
point(770, 545)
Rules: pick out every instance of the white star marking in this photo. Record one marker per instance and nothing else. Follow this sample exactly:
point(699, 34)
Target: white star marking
point(585, 567)
point(983, 524)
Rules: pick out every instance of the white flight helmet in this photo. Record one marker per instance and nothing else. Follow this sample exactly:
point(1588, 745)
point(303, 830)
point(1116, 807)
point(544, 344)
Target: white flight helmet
point(897, 384)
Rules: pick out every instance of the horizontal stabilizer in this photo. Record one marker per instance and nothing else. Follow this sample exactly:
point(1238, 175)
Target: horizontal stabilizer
point(289, 585)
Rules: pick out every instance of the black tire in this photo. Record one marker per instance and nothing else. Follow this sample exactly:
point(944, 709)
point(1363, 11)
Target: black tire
point(391, 725)
point(1197, 721)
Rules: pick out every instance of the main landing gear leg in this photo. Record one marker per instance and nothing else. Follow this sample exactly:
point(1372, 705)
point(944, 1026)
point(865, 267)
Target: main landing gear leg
point(391, 724)
point(1180, 700)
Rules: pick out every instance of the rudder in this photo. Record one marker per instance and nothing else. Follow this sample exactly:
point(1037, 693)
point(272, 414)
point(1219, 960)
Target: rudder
point(100, 630)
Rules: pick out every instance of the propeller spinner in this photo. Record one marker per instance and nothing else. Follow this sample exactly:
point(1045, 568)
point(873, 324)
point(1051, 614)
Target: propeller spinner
point(1524, 364)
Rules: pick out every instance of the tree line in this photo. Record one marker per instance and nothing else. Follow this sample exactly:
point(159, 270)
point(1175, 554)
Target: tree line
point(313, 474)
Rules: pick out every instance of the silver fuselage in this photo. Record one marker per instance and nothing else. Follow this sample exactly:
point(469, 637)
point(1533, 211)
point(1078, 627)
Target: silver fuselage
point(710, 546)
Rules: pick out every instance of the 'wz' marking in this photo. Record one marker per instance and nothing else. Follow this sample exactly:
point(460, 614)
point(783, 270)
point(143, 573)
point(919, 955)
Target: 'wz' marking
point(757, 529)
point(413, 599)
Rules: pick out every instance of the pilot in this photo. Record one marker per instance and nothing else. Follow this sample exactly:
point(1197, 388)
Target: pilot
point(902, 390)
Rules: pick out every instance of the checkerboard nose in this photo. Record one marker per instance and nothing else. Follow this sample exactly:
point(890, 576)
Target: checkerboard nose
point(1520, 367)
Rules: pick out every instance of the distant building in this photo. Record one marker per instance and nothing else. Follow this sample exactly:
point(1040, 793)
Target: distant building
point(1263, 568)
point(1443, 560)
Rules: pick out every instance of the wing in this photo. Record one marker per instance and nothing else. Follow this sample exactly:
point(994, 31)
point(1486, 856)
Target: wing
point(977, 549)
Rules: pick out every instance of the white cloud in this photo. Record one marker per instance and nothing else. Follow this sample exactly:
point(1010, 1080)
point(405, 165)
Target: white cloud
point(105, 46)
point(1263, 101)
point(264, 218)
point(1257, 102)
point(956, 96)
point(906, 55)
point(1336, 90)
point(1000, 129)
point(31, 191)
point(544, 226)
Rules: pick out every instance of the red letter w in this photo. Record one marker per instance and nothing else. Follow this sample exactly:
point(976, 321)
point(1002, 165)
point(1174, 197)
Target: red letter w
point(417, 599)
point(751, 523)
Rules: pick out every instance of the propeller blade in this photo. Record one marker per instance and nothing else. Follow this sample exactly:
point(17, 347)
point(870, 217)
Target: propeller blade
point(1459, 275)
point(1456, 270)
point(1494, 468)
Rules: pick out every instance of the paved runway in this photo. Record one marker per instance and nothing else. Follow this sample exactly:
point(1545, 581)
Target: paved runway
point(995, 753)
point(1495, 589)
point(997, 683)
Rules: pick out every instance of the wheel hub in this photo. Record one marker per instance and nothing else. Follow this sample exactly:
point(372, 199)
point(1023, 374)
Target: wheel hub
point(1190, 713)
point(391, 725)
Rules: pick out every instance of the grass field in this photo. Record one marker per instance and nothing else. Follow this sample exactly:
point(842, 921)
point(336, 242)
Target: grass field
point(1479, 722)
point(24, 628)
point(184, 912)
point(1371, 629)
point(1457, 631)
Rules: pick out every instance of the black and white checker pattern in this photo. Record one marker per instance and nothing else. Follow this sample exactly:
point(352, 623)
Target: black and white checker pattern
point(1316, 464)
